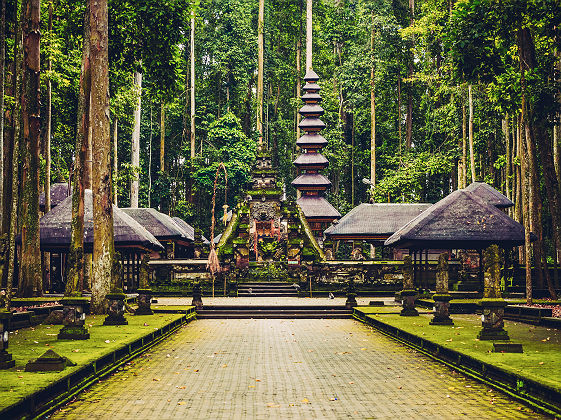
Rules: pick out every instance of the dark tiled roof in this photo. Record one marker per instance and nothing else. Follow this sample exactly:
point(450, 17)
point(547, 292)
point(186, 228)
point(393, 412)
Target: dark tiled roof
point(375, 220)
point(314, 159)
point(188, 230)
point(158, 224)
point(311, 140)
point(314, 206)
point(311, 180)
point(308, 96)
point(311, 76)
point(311, 109)
point(310, 123)
point(55, 228)
point(489, 195)
point(460, 220)
point(59, 191)
point(314, 87)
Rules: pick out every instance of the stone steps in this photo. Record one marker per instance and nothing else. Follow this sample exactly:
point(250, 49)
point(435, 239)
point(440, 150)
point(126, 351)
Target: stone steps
point(268, 289)
point(273, 312)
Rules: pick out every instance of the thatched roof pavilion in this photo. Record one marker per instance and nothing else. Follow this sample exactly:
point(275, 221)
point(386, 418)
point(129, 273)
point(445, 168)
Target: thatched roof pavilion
point(59, 191)
point(489, 195)
point(158, 224)
point(462, 220)
point(131, 240)
point(190, 230)
point(374, 222)
point(55, 228)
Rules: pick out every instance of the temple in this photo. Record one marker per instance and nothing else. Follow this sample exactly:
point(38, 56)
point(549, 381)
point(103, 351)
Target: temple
point(310, 183)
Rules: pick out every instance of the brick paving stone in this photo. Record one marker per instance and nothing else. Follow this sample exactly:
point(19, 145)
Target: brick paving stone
point(287, 369)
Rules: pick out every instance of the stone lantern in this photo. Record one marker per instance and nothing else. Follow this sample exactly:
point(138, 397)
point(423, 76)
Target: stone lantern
point(6, 360)
point(74, 319)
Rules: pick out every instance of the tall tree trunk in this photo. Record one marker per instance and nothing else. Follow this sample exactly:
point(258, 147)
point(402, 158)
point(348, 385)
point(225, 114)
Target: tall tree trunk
point(2, 90)
point(372, 111)
point(135, 155)
point(298, 73)
point(353, 160)
point(309, 43)
point(162, 136)
point(470, 134)
point(116, 159)
point(506, 131)
point(399, 114)
point(31, 274)
point(150, 160)
point(260, 68)
point(525, 178)
point(538, 135)
point(16, 134)
point(104, 247)
point(192, 85)
point(48, 117)
point(464, 145)
point(75, 264)
point(409, 119)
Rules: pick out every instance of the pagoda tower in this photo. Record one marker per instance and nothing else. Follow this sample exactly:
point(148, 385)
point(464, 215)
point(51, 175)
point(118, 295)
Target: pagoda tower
point(310, 183)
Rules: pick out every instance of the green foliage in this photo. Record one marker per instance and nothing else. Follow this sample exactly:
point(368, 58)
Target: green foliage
point(405, 181)
point(228, 144)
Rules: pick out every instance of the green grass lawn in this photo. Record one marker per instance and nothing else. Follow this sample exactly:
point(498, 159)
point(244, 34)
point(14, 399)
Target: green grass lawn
point(30, 343)
point(541, 360)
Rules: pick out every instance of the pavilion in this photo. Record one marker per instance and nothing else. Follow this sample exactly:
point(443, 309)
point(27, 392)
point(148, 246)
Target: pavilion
point(162, 226)
point(462, 220)
point(375, 222)
point(131, 239)
point(489, 194)
point(59, 191)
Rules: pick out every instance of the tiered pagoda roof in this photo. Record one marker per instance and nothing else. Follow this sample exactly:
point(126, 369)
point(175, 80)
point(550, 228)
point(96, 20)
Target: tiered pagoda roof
point(309, 182)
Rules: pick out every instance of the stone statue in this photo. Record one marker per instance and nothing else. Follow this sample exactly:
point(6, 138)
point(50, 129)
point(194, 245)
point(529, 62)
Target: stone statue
point(442, 297)
point(408, 294)
point(144, 275)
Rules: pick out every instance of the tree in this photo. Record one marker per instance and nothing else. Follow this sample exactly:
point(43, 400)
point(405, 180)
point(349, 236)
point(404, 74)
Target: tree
point(76, 263)
point(135, 153)
point(261, 49)
point(31, 273)
point(104, 247)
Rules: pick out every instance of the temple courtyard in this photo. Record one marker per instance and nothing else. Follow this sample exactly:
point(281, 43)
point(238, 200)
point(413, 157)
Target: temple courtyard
point(282, 368)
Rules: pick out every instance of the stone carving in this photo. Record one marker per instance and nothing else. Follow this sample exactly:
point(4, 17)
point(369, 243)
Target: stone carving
point(263, 211)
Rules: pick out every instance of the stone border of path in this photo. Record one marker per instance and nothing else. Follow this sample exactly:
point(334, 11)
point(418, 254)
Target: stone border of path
point(48, 399)
point(540, 397)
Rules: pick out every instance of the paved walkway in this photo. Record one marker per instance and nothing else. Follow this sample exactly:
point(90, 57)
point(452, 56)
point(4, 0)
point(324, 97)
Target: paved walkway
point(287, 369)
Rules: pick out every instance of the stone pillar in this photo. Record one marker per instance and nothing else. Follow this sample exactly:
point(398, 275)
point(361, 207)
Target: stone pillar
point(492, 304)
point(144, 298)
point(351, 293)
point(442, 297)
point(73, 319)
point(6, 361)
point(116, 299)
point(197, 301)
point(408, 294)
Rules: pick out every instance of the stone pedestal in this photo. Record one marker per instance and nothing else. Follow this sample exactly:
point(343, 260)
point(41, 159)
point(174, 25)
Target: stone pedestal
point(116, 310)
point(492, 320)
point(73, 319)
point(408, 298)
point(144, 300)
point(441, 310)
point(6, 361)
